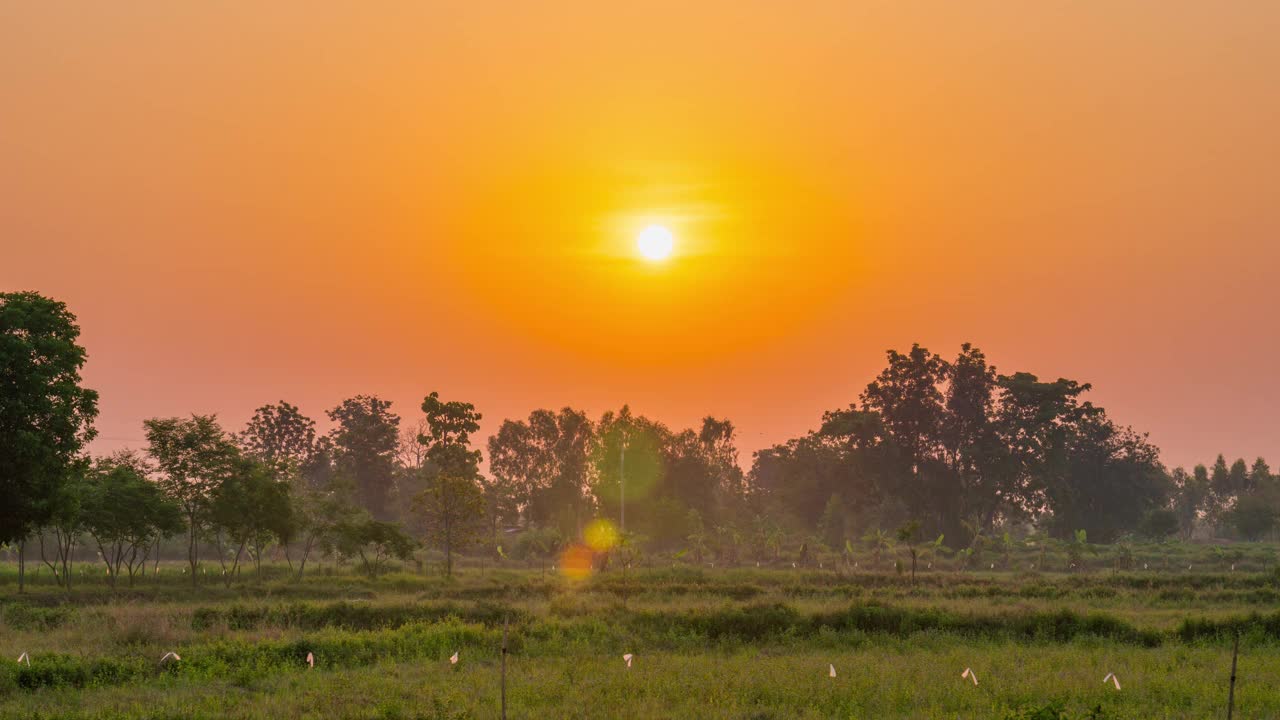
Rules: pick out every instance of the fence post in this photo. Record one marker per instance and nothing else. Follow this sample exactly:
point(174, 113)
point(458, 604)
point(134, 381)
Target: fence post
point(505, 621)
point(1231, 695)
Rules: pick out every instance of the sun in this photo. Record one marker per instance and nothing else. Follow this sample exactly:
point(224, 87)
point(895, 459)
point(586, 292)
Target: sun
point(656, 243)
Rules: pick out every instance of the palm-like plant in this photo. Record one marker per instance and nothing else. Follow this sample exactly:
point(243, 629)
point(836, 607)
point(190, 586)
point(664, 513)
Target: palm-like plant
point(880, 543)
point(907, 536)
point(1042, 543)
point(1006, 547)
point(935, 549)
point(1078, 546)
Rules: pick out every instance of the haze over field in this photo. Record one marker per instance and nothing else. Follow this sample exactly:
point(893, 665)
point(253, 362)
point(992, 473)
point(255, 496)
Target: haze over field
point(251, 202)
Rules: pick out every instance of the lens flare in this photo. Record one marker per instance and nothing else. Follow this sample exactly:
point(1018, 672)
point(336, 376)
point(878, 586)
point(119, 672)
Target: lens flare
point(601, 536)
point(576, 562)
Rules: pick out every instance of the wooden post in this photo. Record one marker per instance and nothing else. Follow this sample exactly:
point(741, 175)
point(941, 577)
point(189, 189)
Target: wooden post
point(505, 621)
point(1231, 695)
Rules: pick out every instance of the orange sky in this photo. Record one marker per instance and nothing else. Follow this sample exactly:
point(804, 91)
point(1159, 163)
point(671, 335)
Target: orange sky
point(245, 202)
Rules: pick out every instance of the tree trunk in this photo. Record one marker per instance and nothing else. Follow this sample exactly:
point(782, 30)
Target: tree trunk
point(22, 566)
point(448, 532)
point(306, 552)
point(192, 549)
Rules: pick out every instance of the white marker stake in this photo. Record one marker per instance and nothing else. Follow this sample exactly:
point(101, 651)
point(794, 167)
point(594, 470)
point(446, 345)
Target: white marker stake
point(833, 671)
point(971, 675)
point(454, 660)
point(628, 657)
point(1111, 677)
point(24, 658)
point(170, 657)
point(311, 660)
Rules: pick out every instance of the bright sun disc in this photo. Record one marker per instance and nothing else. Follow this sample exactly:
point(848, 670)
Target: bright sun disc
point(656, 242)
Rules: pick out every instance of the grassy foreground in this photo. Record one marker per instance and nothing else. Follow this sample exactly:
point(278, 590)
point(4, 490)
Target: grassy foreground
point(707, 644)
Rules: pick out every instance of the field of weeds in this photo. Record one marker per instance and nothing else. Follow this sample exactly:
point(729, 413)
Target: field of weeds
point(707, 643)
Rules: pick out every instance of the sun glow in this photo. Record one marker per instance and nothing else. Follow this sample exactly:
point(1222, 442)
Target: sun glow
point(656, 243)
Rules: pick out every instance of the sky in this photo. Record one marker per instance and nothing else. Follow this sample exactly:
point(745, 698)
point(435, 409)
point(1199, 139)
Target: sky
point(249, 202)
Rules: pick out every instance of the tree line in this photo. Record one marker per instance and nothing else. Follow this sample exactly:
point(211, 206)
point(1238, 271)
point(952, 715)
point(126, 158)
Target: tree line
point(933, 447)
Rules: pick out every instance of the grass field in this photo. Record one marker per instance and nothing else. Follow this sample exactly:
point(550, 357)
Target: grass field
point(736, 643)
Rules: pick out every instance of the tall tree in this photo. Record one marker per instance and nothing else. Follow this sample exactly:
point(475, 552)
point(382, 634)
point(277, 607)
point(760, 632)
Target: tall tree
point(452, 503)
point(1112, 478)
point(194, 455)
point(908, 397)
point(46, 417)
point(453, 511)
point(1220, 479)
point(1259, 475)
point(1035, 421)
point(545, 464)
point(365, 443)
point(281, 436)
point(630, 464)
point(1238, 478)
point(1190, 498)
point(987, 486)
point(448, 436)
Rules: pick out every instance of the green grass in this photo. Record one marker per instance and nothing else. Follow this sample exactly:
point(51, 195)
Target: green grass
point(736, 643)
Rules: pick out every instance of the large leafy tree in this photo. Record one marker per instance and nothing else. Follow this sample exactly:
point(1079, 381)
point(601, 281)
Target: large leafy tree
point(702, 473)
point(1111, 479)
point(801, 475)
point(629, 475)
point(193, 455)
point(963, 449)
point(46, 417)
point(543, 464)
point(364, 449)
point(908, 397)
point(987, 486)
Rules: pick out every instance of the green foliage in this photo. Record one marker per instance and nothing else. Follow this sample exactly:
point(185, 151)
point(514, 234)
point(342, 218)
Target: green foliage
point(453, 509)
point(46, 417)
point(193, 456)
point(448, 437)
point(1159, 524)
point(251, 507)
point(1254, 516)
point(125, 513)
point(373, 541)
point(364, 448)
